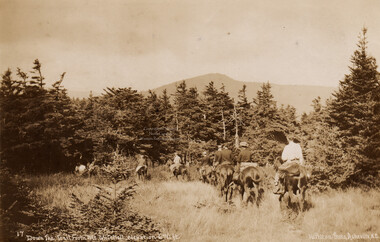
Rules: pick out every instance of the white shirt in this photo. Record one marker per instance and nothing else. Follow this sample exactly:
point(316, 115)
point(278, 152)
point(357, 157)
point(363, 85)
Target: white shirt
point(177, 160)
point(292, 152)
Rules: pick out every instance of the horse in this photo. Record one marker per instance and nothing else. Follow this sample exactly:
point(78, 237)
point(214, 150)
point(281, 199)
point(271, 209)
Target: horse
point(295, 186)
point(250, 184)
point(224, 173)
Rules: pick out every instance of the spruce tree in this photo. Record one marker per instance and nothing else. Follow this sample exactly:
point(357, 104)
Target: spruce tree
point(168, 122)
point(265, 121)
point(188, 117)
point(323, 149)
point(211, 112)
point(38, 124)
point(243, 107)
point(218, 107)
point(11, 107)
point(354, 110)
point(226, 106)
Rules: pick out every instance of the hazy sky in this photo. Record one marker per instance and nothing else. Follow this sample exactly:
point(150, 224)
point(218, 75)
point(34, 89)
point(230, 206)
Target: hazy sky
point(147, 43)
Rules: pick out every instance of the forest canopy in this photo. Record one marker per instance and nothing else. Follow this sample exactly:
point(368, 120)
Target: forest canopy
point(44, 130)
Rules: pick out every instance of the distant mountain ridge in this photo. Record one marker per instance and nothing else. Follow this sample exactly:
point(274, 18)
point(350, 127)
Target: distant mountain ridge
point(298, 96)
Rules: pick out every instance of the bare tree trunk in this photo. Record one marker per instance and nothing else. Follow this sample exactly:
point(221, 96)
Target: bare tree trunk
point(236, 128)
point(176, 120)
point(224, 126)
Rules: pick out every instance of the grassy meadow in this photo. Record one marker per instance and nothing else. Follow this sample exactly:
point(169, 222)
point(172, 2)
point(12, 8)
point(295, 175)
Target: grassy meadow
point(195, 212)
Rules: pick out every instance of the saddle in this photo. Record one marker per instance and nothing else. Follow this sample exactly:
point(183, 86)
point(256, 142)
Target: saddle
point(291, 169)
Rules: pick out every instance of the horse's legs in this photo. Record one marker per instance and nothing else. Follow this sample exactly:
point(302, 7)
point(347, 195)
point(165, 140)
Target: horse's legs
point(246, 194)
point(301, 201)
point(291, 192)
point(230, 191)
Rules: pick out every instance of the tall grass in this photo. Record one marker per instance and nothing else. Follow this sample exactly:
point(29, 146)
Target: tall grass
point(352, 211)
point(67, 204)
point(196, 212)
point(55, 190)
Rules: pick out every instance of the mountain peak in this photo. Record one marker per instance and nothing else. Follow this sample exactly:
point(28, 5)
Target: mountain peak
point(300, 97)
point(214, 75)
point(211, 77)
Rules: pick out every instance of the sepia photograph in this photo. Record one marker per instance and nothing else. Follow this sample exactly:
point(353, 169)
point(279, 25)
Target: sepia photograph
point(189, 120)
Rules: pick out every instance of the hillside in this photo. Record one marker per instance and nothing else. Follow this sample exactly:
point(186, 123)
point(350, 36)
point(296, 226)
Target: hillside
point(298, 96)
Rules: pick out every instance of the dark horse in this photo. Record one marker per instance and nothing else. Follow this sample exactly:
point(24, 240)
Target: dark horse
point(249, 182)
point(295, 189)
point(224, 173)
point(182, 171)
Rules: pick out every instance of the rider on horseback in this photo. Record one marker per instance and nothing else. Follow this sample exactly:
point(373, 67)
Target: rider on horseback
point(177, 162)
point(142, 163)
point(292, 157)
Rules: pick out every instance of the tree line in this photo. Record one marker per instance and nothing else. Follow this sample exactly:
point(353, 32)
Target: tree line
point(43, 130)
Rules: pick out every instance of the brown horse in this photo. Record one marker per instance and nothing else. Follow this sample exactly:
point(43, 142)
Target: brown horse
point(208, 174)
point(295, 189)
point(224, 173)
point(181, 170)
point(249, 184)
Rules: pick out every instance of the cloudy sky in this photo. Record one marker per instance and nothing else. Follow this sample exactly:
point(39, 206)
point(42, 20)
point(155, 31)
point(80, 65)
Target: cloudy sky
point(148, 43)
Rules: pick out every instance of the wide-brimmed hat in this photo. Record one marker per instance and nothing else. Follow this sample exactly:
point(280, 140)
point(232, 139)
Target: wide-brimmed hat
point(243, 144)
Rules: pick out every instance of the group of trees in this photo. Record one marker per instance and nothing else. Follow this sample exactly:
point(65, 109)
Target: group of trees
point(37, 128)
point(342, 138)
point(42, 129)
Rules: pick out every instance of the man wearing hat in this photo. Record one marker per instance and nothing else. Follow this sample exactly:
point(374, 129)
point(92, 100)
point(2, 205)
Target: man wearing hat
point(206, 168)
point(206, 161)
point(218, 156)
point(245, 155)
point(226, 156)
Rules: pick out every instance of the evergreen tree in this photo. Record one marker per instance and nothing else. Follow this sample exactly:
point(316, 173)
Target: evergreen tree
point(160, 128)
point(353, 111)
point(211, 112)
point(188, 117)
point(38, 123)
point(226, 106)
point(167, 108)
point(11, 107)
point(218, 108)
point(125, 112)
point(323, 149)
point(265, 121)
point(243, 110)
point(167, 119)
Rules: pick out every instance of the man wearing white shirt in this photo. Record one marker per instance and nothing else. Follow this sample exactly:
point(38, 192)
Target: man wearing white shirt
point(291, 154)
point(177, 161)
